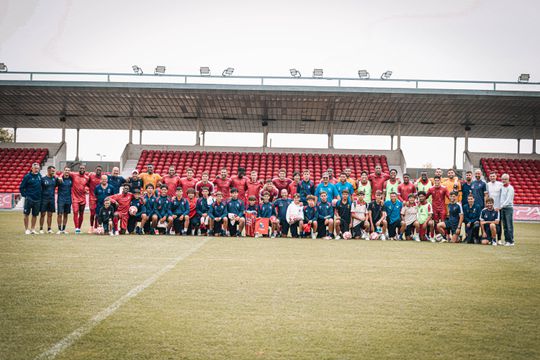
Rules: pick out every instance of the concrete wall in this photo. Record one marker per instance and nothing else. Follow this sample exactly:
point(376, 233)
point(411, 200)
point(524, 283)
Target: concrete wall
point(133, 152)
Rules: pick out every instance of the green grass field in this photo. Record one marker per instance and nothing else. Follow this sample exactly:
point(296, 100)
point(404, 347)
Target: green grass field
point(230, 298)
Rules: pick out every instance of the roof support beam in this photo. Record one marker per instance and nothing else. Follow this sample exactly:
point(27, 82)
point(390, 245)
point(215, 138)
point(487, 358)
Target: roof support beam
point(77, 151)
point(391, 142)
point(466, 140)
point(140, 137)
point(198, 133)
point(455, 152)
point(130, 130)
point(534, 140)
point(518, 145)
point(265, 137)
point(15, 134)
point(331, 135)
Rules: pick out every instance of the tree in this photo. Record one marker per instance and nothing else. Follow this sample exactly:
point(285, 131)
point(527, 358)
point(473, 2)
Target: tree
point(5, 135)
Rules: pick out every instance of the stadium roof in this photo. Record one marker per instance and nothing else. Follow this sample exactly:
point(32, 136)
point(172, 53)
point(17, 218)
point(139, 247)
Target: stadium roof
point(340, 106)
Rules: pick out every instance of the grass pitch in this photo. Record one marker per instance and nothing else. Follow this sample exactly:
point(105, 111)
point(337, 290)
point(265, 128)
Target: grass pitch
point(268, 298)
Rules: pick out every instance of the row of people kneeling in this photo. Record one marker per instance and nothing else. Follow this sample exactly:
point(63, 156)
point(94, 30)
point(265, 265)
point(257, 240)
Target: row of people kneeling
point(346, 218)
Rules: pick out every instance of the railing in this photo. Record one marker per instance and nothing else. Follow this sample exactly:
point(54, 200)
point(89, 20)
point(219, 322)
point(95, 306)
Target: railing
point(268, 81)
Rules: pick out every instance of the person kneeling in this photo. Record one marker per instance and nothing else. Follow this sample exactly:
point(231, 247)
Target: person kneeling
point(218, 216)
point(105, 218)
point(235, 210)
point(295, 216)
point(180, 213)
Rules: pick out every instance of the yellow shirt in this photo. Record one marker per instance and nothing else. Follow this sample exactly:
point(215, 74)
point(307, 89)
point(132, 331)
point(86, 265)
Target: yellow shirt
point(150, 179)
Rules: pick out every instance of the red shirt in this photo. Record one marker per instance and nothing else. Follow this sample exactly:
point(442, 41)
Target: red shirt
point(293, 187)
point(253, 189)
point(80, 185)
point(438, 196)
point(192, 207)
point(123, 201)
point(93, 181)
point(199, 186)
point(377, 183)
point(223, 185)
point(187, 184)
point(241, 185)
point(405, 190)
point(281, 184)
point(172, 183)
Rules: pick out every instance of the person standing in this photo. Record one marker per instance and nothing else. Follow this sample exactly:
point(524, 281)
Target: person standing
point(48, 187)
point(494, 188)
point(507, 210)
point(31, 189)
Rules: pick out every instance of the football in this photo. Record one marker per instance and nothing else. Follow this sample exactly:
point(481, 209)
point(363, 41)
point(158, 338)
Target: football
point(133, 210)
point(347, 235)
point(374, 236)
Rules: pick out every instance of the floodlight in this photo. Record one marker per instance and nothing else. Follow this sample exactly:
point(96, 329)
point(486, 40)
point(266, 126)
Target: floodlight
point(524, 78)
point(137, 70)
point(386, 75)
point(317, 72)
point(205, 70)
point(295, 73)
point(227, 72)
point(160, 69)
point(363, 74)
point(3, 67)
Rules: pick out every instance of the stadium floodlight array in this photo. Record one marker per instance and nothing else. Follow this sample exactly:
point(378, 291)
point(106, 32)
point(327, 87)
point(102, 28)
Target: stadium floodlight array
point(317, 72)
point(295, 73)
point(205, 70)
point(227, 72)
point(160, 69)
point(524, 78)
point(137, 70)
point(3, 67)
point(386, 75)
point(363, 74)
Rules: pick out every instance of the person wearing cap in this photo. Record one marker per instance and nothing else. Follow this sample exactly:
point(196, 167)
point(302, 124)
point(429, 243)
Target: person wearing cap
point(135, 181)
point(133, 219)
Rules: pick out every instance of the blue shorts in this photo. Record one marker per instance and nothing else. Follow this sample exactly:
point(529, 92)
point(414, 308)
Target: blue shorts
point(451, 226)
point(31, 206)
point(63, 207)
point(47, 205)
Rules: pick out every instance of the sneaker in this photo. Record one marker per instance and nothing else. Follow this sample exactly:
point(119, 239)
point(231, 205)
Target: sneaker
point(365, 236)
point(116, 233)
point(494, 243)
point(199, 232)
point(416, 237)
point(383, 238)
point(64, 232)
point(509, 244)
point(432, 239)
point(443, 240)
point(27, 232)
point(501, 242)
point(338, 237)
point(227, 233)
point(50, 231)
point(77, 231)
point(41, 231)
point(273, 236)
point(34, 232)
point(156, 232)
point(111, 233)
point(313, 236)
point(328, 237)
point(257, 235)
point(59, 232)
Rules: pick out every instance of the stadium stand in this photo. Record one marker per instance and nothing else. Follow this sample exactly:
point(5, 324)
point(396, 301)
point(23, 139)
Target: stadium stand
point(15, 163)
point(267, 164)
point(524, 174)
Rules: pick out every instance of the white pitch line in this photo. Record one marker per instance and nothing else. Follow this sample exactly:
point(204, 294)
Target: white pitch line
point(102, 315)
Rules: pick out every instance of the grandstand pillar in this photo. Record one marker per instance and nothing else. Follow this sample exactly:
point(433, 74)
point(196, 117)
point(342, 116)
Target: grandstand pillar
point(519, 145)
point(330, 141)
point(63, 134)
point(14, 134)
point(455, 152)
point(265, 137)
point(398, 136)
point(466, 140)
point(391, 142)
point(198, 133)
point(77, 151)
point(203, 137)
point(130, 131)
point(140, 137)
point(534, 141)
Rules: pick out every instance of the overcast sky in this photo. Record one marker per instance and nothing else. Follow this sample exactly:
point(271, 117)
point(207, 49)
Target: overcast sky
point(474, 40)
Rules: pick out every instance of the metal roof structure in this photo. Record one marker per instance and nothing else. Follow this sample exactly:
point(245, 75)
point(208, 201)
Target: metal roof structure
point(282, 105)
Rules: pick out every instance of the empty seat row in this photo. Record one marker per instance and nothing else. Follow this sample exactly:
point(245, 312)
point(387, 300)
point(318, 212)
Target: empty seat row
point(15, 163)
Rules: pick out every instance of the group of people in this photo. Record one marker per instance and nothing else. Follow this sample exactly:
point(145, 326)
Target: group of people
point(376, 206)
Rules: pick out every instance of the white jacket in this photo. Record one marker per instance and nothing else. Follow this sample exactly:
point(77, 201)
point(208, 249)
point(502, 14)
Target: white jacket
point(295, 210)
